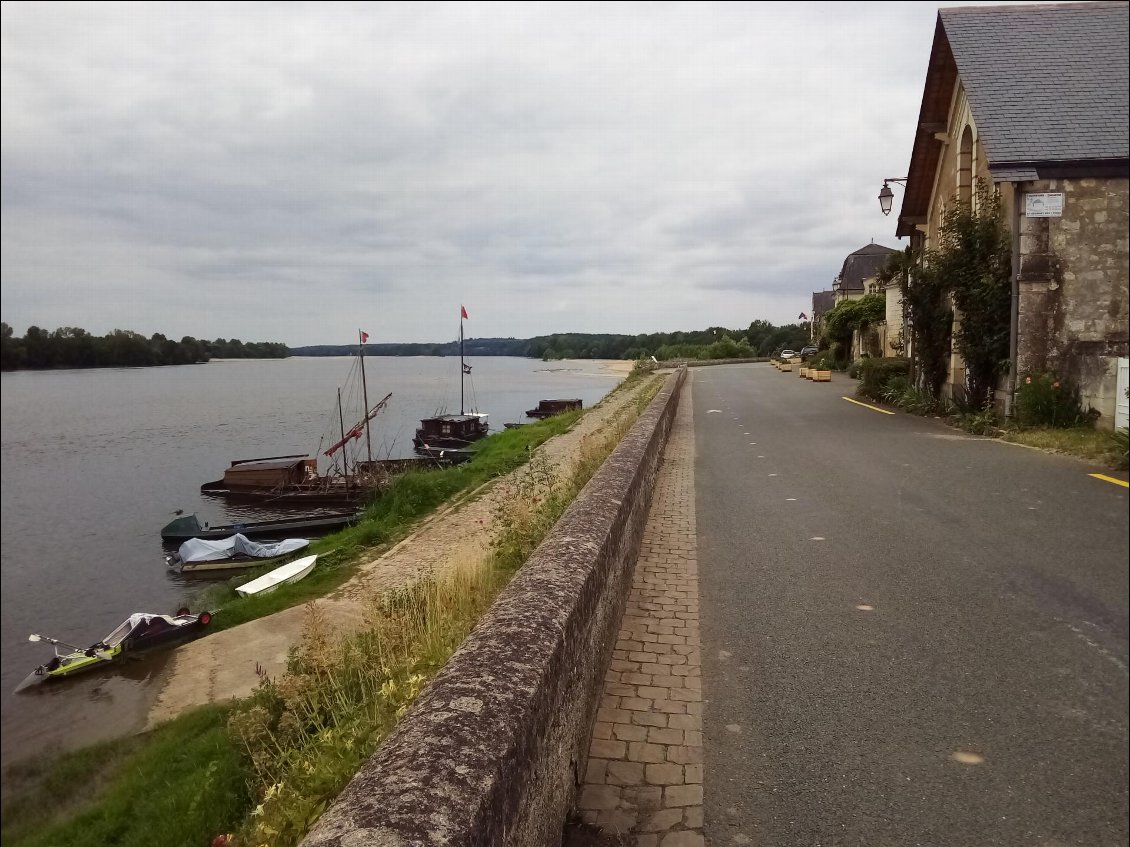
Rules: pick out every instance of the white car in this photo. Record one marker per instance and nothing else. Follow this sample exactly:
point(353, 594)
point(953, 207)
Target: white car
point(788, 354)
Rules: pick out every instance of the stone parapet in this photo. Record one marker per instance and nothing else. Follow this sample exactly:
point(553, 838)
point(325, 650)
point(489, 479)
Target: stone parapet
point(493, 750)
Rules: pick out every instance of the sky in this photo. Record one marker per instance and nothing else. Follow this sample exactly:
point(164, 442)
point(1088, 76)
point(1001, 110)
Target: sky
point(297, 172)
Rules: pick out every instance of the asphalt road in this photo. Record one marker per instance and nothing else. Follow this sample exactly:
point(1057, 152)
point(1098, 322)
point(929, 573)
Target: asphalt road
point(910, 636)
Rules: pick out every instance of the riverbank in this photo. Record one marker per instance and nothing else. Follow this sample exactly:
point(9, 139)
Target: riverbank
point(437, 545)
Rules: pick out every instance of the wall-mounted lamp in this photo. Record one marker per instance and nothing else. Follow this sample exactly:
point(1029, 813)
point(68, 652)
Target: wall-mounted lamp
point(886, 196)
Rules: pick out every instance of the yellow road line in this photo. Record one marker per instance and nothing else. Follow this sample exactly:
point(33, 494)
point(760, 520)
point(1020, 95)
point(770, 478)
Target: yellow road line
point(868, 406)
point(1106, 478)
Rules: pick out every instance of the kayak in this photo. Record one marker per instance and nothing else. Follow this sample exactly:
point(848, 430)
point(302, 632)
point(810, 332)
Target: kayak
point(140, 631)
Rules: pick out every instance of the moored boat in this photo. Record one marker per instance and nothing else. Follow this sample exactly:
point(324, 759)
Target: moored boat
point(446, 455)
point(367, 478)
point(448, 431)
point(202, 556)
point(268, 582)
point(140, 631)
point(443, 432)
point(189, 526)
point(548, 408)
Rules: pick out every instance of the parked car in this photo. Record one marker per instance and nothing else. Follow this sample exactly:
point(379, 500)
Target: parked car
point(807, 353)
point(788, 354)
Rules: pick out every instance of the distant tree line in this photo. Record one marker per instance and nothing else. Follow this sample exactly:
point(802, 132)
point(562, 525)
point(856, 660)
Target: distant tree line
point(72, 347)
point(760, 339)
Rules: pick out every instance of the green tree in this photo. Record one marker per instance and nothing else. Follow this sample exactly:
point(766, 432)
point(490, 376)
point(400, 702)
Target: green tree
point(11, 350)
point(850, 315)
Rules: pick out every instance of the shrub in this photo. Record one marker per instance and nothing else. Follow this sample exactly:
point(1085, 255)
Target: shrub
point(1046, 400)
point(877, 373)
point(984, 422)
point(1122, 446)
point(899, 392)
point(823, 361)
point(893, 391)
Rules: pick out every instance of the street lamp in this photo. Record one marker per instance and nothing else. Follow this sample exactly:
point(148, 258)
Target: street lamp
point(886, 196)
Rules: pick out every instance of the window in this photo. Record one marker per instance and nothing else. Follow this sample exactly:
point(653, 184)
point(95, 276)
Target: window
point(965, 167)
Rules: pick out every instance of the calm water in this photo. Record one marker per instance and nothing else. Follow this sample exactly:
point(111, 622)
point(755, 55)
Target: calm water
point(95, 462)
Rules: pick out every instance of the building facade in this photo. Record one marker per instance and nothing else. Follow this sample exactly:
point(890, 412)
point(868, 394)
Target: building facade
point(1034, 100)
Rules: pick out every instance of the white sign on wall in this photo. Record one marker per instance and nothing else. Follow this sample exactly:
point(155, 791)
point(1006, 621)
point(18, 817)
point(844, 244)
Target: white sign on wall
point(1048, 205)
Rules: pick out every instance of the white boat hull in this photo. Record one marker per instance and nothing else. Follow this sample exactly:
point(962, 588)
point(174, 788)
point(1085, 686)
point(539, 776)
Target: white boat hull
point(290, 572)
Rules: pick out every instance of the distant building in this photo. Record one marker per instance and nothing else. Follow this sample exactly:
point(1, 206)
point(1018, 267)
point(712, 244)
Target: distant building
point(822, 302)
point(1034, 99)
point(857, 276)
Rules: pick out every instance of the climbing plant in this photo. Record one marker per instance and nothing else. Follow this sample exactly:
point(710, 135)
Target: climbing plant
point(925, 298)
point(850, 315)
point(970, 270)
point(974, 261)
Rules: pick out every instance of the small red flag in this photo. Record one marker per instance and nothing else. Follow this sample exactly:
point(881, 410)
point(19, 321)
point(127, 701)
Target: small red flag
point(364, 336)
point(463, 312)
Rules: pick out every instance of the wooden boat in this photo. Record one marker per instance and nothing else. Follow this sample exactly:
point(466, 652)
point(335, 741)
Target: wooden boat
point(140, 631)
point(548, 408)
point(268, 582)
point(366, 480)
point(189, 526)
point(295, 479)
point(443, 432)
point(446, 455)
point(448, 431)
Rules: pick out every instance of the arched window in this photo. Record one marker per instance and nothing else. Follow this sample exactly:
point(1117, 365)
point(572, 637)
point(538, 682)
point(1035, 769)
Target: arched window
point(965, 167)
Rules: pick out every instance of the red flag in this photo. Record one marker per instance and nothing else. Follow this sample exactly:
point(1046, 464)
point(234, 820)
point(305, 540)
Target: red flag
point(364, 336)
point(463, 312)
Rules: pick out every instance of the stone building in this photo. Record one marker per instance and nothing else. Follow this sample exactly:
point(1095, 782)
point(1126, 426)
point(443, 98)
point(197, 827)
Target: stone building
point(1034, 99)
point(822, 303)
point(857, 275)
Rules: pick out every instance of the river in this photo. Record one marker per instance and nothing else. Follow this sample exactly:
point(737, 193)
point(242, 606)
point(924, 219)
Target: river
point(95, 462)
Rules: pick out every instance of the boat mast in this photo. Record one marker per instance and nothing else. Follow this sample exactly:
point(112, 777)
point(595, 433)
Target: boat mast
point(365, 394)
point(462, 367)
point(341, 423)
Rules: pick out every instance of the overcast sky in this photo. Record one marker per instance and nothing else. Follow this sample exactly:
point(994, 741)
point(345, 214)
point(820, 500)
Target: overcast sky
point(295, 172)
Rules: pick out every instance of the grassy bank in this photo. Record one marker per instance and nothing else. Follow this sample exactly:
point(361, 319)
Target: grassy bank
point(180, 784)
point(1098, 446)
point(280, 756)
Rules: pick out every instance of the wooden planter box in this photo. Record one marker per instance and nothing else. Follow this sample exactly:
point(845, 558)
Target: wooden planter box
point(787, 368)
point(822, 376)
point(803, 373)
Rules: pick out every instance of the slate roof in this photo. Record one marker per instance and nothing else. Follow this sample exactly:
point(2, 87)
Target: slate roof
point(1046, 83)
point(1048, 87)
point(863, 264)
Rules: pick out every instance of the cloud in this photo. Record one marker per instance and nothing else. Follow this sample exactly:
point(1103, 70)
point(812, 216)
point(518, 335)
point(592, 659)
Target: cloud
point(284, 172)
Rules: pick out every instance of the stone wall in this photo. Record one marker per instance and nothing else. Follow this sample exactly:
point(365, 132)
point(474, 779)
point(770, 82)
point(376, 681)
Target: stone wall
point(1073, 289)
point(493, 750)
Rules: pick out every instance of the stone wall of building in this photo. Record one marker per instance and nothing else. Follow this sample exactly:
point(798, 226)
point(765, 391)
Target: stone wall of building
point(894, 334)
point(1074, 289)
